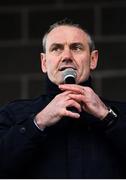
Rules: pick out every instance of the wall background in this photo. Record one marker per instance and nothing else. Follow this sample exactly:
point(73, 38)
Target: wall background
point(22, 25)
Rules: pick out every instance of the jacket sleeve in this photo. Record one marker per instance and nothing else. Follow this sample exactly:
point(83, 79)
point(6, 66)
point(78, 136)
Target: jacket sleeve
point(19, 141)
point(117, 132)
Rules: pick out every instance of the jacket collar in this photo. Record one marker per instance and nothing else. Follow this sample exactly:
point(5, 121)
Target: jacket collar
point(52, 89)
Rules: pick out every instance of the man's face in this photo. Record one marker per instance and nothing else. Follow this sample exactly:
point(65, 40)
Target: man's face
point(68, 47)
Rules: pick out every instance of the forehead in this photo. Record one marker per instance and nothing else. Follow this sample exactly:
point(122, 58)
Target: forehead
point(66, 34)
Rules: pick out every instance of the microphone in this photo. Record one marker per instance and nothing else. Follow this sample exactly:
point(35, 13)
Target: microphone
point(69, 76)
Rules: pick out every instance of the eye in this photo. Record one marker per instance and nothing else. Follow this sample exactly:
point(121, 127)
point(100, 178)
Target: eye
point(77, 47)
point(56, 48)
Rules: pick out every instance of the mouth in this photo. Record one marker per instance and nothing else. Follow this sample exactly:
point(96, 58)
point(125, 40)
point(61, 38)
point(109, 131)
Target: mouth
point(66, 67)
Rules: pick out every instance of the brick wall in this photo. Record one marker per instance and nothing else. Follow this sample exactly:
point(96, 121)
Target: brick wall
point(22, 26)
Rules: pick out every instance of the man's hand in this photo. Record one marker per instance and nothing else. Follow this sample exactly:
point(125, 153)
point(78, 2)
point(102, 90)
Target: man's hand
point(57, 109)
point(89, 100)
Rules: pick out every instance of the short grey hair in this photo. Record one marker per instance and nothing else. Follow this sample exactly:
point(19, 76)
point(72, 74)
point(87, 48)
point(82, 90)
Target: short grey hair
point(68, 22)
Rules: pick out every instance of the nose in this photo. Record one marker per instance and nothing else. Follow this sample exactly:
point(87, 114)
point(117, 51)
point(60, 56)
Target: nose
point(67, 54)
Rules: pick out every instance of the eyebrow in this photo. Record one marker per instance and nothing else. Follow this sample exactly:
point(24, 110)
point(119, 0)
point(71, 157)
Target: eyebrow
point(56, 44)
point(71, 44)
point(76, 43)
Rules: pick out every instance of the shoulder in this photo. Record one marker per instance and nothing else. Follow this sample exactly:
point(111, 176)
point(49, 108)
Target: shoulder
point(21, 103)
point(21, 108)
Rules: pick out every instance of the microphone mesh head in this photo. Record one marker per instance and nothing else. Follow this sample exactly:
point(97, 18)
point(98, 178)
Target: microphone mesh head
point(69, 76)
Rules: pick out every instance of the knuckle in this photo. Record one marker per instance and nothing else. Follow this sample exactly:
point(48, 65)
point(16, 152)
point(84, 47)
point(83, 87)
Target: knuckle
point(89, 90)
point(57, 96)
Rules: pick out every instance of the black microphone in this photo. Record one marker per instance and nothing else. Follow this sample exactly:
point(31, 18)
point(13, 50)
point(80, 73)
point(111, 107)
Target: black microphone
point(69, 77)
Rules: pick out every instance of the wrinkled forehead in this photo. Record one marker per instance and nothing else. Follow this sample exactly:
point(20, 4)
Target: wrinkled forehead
point(66, 34)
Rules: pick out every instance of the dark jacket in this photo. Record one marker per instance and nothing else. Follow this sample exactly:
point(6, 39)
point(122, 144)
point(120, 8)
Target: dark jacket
point(84, 148)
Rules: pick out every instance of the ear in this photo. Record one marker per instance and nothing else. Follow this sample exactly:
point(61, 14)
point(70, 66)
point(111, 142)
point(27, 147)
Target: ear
point(94, 59)
point(43, 62)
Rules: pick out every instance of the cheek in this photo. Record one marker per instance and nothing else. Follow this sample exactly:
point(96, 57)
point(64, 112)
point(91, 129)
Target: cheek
point(84, 62)
point(84, 66)
point(51, 64)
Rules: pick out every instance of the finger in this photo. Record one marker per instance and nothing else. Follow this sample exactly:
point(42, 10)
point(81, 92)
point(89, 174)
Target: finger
point(73, 103)
point(65, 93)
point(72, 114)
point(70, 87)
point(81, 99)
point(77, 97)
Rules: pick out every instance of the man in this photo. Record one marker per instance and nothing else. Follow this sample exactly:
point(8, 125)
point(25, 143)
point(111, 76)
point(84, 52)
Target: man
point(69, 132)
